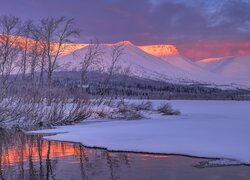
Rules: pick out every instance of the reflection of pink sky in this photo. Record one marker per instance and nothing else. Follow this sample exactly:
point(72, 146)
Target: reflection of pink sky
point(12, 156)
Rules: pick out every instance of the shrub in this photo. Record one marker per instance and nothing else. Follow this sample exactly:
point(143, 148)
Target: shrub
point(101, 114)
point(144, 106)
point(25, 113)
point(166, 109)
point(126, 112)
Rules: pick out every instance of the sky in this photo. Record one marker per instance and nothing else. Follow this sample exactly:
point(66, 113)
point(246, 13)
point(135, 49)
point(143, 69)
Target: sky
point(199, 28)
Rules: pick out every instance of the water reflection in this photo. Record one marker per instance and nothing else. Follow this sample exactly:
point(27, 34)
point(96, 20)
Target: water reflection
point(31, 157)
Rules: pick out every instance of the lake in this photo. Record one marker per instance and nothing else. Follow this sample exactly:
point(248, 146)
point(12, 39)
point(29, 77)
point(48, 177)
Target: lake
point(31, 157)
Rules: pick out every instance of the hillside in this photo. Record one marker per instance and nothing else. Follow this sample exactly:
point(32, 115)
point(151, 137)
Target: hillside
point(236, 69)
point(141, 64)
point(171, 55)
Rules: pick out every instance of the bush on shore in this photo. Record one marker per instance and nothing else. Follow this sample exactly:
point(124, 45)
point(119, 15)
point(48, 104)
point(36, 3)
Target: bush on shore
point(167, 109)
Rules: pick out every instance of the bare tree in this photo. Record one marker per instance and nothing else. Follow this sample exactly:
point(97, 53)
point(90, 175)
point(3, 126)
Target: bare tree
point(54, 33)
point(26, 45)
point(117, 52)
point(114, 68)
point(42, 63)
point(35, 55)
point(89, 60)
point(10, 28)
point(36, 59)
point(30, 46)
point(126, 73)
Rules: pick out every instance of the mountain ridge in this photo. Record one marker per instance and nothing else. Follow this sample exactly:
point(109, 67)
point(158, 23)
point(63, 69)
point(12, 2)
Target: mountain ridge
point(165, 62)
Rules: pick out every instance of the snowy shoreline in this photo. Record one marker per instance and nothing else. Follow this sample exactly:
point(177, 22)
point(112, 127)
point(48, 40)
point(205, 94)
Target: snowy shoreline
point(210, 129)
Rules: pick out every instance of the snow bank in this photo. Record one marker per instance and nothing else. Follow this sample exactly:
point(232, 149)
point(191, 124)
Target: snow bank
point(218, 129)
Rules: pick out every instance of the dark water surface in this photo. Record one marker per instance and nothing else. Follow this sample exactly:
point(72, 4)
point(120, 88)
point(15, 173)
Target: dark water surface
point(31, 157)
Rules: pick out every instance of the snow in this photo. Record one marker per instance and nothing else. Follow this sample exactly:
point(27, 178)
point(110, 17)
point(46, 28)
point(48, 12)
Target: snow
point(161, 62)
point(141, 63)
point(235, 69)
point(187, 65)
point(218, 163)
point(160, 49)
point(216, 129)
point(210, 59)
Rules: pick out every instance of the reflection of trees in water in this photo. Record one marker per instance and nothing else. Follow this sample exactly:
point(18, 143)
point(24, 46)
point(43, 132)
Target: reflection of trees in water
point(85, 166)
point(114, 161)
point(39, 148)
point(30, 157)
point(49, 167)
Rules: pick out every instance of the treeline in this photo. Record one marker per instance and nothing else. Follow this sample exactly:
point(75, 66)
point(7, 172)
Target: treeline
point(124, 86)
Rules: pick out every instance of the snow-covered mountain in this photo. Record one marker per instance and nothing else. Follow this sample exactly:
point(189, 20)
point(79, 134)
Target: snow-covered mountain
point(160, 49)
point(236, 69)
point(141, 63)
point(170, 54)
point(164, 62)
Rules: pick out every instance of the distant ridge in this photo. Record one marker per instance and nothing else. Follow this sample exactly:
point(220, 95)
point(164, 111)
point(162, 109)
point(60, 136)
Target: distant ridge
point(164, 62)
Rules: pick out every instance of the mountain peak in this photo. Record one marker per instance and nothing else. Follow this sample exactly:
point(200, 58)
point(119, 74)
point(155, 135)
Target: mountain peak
point(160, 49)
point(125, 43)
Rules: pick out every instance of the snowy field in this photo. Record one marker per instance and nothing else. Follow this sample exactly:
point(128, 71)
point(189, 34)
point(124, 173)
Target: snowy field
point(216, 129)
